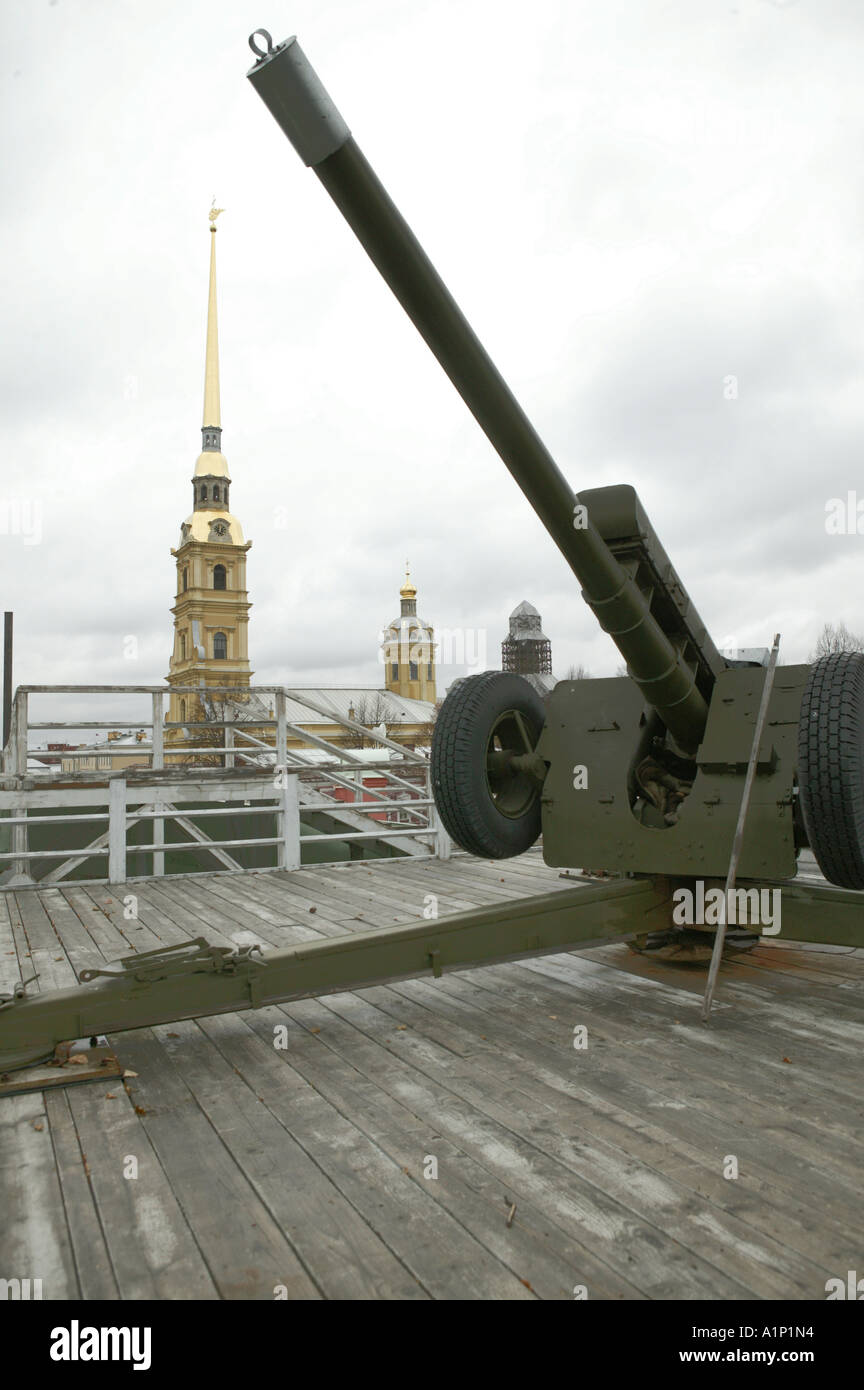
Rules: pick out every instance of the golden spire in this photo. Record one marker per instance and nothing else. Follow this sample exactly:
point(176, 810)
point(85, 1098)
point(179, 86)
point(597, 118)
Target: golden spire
point(407, 590)
point(212, 414)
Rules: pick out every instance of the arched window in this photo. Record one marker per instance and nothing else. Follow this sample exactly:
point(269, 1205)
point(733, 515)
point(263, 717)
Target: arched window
point(182, 646)
point(412, 670)
point(220, 646)
point(216, 492)
point(219, 577)
point(182, 711)
point(429, 670)
point(185, 577)
point(203, 492)
point(395, 669)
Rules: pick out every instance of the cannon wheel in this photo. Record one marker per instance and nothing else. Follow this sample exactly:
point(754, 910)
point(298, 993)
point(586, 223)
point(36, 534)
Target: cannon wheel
point(831, 766)
point(488, 806)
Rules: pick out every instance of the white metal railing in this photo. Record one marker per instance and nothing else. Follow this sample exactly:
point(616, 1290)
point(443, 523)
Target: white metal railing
point(254, 777)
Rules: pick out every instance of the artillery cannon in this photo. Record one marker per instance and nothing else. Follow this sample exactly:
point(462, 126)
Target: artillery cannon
point(697, 768)
point(665, 748)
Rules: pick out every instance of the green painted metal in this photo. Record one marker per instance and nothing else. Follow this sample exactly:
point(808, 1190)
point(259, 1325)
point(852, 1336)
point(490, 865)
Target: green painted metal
point(600, 724)
point(198, 979)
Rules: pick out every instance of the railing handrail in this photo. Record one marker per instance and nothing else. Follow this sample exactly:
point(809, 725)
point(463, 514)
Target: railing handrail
point(271, 776)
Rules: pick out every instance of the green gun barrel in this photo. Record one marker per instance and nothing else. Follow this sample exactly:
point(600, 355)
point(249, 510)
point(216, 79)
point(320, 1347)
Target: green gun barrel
point(294, 95)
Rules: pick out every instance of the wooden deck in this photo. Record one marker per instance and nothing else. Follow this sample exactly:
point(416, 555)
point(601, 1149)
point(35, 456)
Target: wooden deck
point(304, 1170)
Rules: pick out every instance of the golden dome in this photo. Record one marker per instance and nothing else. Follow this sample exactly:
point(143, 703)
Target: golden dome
point(201, 521)
point(407, 590)
point(212, 463)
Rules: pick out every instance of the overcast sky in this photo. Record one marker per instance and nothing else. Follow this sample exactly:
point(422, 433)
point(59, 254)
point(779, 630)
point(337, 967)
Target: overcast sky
point(634, 202)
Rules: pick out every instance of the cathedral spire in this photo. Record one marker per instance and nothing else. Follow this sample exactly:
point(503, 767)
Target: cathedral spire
point(212, 423)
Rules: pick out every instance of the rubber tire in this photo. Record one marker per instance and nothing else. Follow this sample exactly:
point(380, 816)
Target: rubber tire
point(831, 766)
point(459, 784)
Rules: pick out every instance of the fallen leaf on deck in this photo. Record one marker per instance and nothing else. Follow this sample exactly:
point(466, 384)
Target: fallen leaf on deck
point(139, 1110)
point(38, 1125)
point(127, 1072)
point(109, 1095)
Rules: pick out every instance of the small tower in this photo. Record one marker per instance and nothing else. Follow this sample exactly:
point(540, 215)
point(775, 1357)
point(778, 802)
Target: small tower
point(211, 609)
point(526, 649)
point(408, 649)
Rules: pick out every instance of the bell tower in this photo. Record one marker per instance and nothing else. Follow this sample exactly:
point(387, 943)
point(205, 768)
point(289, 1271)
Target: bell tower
point(211, 606)
point(408, 649)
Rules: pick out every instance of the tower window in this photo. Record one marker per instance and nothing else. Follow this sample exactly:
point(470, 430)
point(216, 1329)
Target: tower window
point(216, 492)
point(203, 492)
point(185, 577)
point(429, 671)
point(219, 577)
point(395, 671)
point(182, 711)
point(412, 670)
point(220, 646)
point(182, 646)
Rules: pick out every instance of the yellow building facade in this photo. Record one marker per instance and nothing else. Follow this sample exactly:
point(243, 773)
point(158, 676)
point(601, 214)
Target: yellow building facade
point(211, 606)
point(408, 650)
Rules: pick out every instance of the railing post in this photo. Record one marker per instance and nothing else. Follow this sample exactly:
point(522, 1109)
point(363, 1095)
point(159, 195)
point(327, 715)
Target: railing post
point(157, 759)
point(442, 844)
point(19, 767)
point(117, 830)
point(11, 744)
point(229, 744)
point(158, 842)
point(20, 844)
point(289, 819)
point(281, 730)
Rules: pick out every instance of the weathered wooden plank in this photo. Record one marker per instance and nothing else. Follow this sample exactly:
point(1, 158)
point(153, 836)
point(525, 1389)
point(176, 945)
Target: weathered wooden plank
point(531, 1246)
point(552, 1126)
point(78, 945)
point(34, 1239)
point(272, 898)
point(152, 1250)
point(212, 914)
point(119, 904)
point(92, 1262)
point(247, 1254)
point(345, 1256)
point(108, 939)
point(10, 970)
point(440, 1089)
point(536, 1058)
point(442, 1255)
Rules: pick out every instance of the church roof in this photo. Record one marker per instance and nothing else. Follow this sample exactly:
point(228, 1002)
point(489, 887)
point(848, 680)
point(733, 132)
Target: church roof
point(526, 624)
point(212, 462)
point(200, 521)
point(405, 628)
